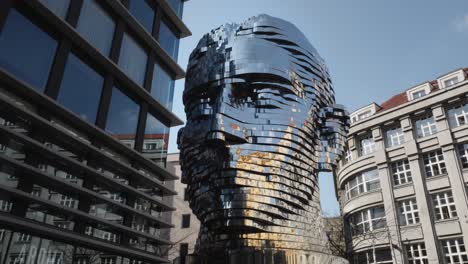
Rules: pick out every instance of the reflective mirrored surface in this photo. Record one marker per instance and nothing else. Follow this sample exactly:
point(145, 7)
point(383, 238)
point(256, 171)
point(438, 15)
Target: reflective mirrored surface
point(28, 60)
point(260, 127)
point(80, 84)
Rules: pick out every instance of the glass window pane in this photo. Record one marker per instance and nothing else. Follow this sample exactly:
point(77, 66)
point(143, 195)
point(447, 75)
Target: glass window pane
point(122, 119)
point(133, 59)
point(177, 6)
point(80, 89)
point(58, 7)
point(143, 13)
point(96, 26)
point(26, 51)
point(168, 40)
point(162, 87)
point(156, 140)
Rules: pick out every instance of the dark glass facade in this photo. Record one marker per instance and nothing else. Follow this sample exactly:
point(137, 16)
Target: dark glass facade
point(84, 124)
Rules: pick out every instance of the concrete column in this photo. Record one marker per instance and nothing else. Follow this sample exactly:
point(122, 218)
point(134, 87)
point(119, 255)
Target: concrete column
point(422, 195)
point(389, 199)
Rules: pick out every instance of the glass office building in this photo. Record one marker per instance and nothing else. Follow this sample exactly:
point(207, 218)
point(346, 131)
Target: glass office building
point(86, 91)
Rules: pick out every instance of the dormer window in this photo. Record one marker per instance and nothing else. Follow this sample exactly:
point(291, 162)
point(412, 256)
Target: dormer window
point(418, 94)
point(450, 82)
point(364, 112)
point(451, 79)
point(418, 91)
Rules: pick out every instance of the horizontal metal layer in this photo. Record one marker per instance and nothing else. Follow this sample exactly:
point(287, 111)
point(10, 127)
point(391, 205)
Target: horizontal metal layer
point(62, 186)
point(34, 228)
point(14, 111)
point(184, 31)
point(71, 165)
point(79, 215)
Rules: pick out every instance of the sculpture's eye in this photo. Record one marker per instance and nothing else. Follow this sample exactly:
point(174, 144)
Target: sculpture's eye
point(242, 94)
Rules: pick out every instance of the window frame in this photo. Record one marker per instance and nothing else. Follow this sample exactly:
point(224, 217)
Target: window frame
point(446, 210)
point(408, 212)
point(425, 126)
point(394, 137)
point(460, 256)
point(416, 253)
point(434, 163)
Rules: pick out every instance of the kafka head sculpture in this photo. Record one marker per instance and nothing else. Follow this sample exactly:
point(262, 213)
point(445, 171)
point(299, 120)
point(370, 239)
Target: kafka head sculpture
point(261, 124)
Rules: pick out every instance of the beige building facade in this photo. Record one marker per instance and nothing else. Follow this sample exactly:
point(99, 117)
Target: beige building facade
point(186, 225)
point(403, 183)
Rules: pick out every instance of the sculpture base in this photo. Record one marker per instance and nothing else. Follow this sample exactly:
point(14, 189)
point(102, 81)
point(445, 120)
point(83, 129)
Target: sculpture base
point(266, 257)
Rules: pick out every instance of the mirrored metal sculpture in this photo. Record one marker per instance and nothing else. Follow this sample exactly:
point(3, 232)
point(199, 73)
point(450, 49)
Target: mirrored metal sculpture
point(261, 124)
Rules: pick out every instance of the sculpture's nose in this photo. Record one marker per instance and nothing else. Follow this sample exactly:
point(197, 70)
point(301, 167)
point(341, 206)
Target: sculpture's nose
point(226, 129)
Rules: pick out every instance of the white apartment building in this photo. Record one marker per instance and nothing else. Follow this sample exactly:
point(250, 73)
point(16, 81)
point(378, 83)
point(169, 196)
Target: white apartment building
point(403, 183)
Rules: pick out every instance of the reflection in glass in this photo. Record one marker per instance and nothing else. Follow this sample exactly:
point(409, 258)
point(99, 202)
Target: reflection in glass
point(162, 87)
point(96, 26)
point(177, 6)
point(80, 89)
point(143, 13)
point(26, 51)
point(122, 119)
point(59, 8)
point(168, 40)
point(156, 140)
point(133, 59)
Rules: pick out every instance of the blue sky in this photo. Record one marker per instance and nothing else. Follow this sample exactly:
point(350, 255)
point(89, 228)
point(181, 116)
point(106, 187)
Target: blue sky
point(374, 48)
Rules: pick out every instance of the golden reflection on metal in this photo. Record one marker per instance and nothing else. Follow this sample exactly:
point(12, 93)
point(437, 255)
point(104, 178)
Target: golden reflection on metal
point(261, 124)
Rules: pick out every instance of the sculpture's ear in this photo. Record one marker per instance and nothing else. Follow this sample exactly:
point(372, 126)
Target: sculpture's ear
point(333, 132)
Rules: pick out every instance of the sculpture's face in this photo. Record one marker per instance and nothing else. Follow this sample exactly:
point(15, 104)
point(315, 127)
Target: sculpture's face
point(260, 125)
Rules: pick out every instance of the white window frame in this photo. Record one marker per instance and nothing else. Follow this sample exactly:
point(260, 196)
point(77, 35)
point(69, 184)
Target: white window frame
point(5, 206)
point(67, 201)
point(418, 94)
point(106, 235)
point(426, 126)
point(408, 212)
point(363, 181)
point(367, 145)
point(395, 137)
point(443, 207)
point(19, 258)
point(107, 260)
point(459, 256)
point(401, 172)
point(349, 156)
point(371, 257)
point(451, 82)
point(417, 253)
point(367, 220)
point(458, 115)
point(434, 163)
point(463, 154)
point(23, 238)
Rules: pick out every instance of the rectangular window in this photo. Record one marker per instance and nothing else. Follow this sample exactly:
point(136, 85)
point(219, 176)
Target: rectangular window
point(156, 130)
point(367, 145)
point(454, 251)
point(2, 233)
point(186, 221)
point(450, 82)
point(425, 126)
point(5, 206)
point(434, 163)
point(408, 212)
point(401, 172)
point(59, 8)
point(80, 84)
point(18, 258)
point(395, 137)
point(364, 182)
point(26, 51)
point(377, 256)
point(183, 252)
point(186, 196)
point(67, 201)
point(96, 26)
point(368, 220)
point(444, 205)
point(122, 118)
point(143, 12)
point(458, 115)
point(168, 39)
point(463, 154)
point(418, 94)
point(417, 253)
point(349, 156)
point(162, 87)
point(107, 260)
point(23, 238)
point(177, 6)
point(133, 59)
